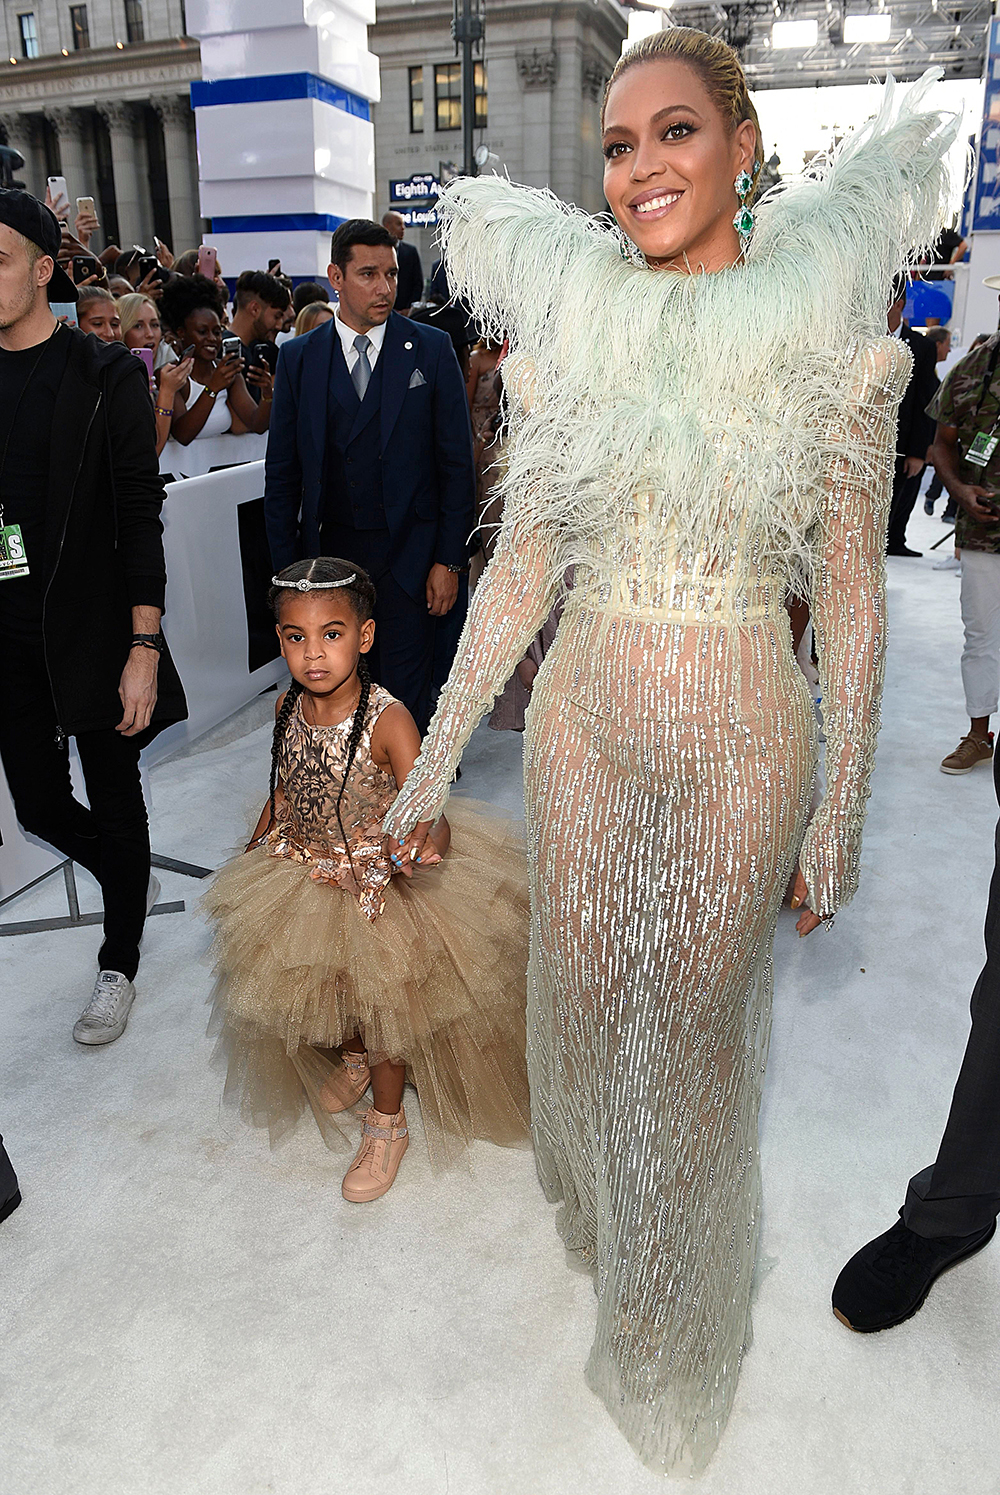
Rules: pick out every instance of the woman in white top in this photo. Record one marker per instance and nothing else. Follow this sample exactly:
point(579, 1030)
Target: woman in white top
point(216, 399)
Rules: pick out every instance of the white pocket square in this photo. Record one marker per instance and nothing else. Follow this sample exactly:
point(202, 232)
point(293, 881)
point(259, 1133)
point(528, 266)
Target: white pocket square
point(416, 379)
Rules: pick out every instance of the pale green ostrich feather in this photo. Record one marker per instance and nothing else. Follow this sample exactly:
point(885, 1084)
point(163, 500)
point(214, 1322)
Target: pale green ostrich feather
point(731, 391)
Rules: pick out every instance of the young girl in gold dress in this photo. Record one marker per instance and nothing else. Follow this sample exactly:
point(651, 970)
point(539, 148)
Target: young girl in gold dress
point(339, 968)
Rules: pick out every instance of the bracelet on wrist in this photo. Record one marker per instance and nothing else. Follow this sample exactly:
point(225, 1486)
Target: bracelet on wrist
point(149, 641)
point(160, 411)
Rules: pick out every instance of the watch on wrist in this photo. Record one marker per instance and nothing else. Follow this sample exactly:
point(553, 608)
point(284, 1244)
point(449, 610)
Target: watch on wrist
point(149, 641)
point(456, 570)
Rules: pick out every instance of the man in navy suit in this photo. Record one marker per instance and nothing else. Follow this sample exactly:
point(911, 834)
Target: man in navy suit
point(369, 457)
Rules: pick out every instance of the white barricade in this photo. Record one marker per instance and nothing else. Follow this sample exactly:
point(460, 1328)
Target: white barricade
point(203, 454)
point(206, 624)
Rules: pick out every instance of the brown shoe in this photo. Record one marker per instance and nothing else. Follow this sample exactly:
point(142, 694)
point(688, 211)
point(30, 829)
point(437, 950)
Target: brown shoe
point(384, 1139)
point(347, 1085)
point(970, 751)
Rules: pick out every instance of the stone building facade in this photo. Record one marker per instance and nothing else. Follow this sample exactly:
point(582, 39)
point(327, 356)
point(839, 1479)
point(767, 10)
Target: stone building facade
point(538, 96)
point(99, 93)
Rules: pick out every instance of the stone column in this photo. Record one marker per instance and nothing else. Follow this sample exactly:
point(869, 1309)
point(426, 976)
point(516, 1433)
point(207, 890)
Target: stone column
point(68, 125)
point(24, 135)
point(131, 191)
point(177, 118)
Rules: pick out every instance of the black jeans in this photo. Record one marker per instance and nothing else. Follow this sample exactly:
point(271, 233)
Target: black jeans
point(960, 1193)
point(111, 838)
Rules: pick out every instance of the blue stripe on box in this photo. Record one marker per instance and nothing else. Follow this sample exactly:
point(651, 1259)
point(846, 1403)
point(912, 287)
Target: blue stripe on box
point(273, 86)
point(276, 223)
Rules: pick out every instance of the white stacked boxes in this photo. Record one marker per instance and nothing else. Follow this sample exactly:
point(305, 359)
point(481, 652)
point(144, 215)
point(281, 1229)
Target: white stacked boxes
point(285, 142)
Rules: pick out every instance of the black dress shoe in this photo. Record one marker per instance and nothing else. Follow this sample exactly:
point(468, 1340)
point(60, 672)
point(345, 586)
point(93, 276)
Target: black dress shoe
point(10, 1205)
point(888, 1280)
point(903, 550)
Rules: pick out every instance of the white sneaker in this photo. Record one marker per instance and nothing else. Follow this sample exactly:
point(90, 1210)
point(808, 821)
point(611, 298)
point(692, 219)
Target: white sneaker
point(949, 563)
point(152, 892)
point(105, 1015)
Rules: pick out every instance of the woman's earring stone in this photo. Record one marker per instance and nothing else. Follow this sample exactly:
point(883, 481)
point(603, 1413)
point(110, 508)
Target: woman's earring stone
point(743, 222)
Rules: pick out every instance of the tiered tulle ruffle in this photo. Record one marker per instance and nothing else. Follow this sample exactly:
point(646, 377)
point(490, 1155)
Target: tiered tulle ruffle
point(437, 981)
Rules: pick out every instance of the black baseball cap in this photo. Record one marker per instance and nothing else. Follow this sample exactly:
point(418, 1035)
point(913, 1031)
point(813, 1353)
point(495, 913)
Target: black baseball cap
point(31, 218)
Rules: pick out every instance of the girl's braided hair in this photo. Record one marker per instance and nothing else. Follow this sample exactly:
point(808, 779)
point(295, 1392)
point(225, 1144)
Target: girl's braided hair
point(361, 594)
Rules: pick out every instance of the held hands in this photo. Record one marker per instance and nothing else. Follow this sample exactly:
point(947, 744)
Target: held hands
point(442, 590)
point(417, 850)
point(137, 690)
point(807, 920)
point(970, 496)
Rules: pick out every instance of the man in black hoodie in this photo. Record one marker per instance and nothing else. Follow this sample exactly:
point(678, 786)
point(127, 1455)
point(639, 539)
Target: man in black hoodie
point(82, 581)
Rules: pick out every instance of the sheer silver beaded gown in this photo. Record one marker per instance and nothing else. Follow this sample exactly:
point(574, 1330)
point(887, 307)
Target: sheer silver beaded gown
point(696, 446)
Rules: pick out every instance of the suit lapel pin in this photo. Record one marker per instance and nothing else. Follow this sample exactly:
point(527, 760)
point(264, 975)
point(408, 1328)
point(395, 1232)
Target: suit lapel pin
point(407, 345)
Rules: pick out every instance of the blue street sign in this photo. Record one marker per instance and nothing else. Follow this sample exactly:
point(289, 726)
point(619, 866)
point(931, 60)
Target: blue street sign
point(421, 188)
point(418, 217)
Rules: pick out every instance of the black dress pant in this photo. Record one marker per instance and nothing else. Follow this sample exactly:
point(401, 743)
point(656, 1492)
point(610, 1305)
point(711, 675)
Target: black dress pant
point(402, 659)
point(904, 496)
point(960, 1193)
point(111, 838)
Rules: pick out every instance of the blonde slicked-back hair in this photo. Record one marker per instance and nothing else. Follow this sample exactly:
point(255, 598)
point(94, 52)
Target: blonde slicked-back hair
point(716, 64)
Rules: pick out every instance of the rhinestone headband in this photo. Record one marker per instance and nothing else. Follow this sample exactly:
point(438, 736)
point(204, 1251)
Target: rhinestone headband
point(313, 586)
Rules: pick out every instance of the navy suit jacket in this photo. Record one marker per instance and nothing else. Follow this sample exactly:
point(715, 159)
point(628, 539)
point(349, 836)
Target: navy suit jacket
point(428, 472)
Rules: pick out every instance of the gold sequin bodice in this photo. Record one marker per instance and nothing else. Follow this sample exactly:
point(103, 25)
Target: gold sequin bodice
point(312, 764)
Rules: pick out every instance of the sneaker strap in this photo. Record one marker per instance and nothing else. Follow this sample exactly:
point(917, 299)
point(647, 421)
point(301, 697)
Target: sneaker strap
point(378, 1133)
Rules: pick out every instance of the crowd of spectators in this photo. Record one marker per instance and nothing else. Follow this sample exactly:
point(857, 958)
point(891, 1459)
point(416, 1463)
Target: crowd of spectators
point(212, 345)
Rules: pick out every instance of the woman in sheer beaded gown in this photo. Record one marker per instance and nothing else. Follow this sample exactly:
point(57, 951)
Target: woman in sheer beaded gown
point(699, 426)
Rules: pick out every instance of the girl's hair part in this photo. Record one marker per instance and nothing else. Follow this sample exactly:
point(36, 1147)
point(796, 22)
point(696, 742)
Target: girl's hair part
point(716, 64)
point(361, 595)
point(360, 591)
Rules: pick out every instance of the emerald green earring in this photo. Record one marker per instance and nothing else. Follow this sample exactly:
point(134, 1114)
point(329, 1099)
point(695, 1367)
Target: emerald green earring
point(743, 222)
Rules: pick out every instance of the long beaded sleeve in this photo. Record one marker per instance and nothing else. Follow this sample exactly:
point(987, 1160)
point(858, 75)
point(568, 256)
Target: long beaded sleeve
point(848, 613)
point(511, 603)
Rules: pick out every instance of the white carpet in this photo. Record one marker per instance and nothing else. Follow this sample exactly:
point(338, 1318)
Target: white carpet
point(185, 1313)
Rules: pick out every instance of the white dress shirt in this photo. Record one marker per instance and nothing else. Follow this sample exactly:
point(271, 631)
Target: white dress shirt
point(375, 335)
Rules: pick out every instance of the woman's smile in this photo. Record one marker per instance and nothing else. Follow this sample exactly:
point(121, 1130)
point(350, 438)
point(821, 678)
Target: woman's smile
point(649, 206)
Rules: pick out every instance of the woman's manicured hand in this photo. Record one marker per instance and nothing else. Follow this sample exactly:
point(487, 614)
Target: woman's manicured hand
point(807, 920)
point(416, 851)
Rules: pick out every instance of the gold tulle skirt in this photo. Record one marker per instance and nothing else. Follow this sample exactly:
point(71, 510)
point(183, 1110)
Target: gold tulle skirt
point(437, 982)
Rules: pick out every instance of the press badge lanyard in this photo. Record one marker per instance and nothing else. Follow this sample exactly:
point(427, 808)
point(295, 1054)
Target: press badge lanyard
point(13, 561)
point(984, 443)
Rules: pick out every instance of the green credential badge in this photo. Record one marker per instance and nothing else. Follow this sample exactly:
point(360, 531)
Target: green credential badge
point(13, 561)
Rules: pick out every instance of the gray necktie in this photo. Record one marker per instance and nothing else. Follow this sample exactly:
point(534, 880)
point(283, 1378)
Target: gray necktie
point(362, 370)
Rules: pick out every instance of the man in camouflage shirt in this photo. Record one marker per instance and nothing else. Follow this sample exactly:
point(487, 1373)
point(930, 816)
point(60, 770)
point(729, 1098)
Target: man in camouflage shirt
point(966, 455)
